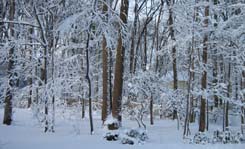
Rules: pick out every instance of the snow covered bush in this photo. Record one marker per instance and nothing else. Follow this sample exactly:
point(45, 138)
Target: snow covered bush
point(134, 136)
point(228, 136)
point(143, 89)
point(127, 136)
point(200, 138)
point(111, 136)
point(222, 137)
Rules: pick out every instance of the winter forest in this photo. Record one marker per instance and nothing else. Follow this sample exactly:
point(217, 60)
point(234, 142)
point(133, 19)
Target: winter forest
point(122, 73)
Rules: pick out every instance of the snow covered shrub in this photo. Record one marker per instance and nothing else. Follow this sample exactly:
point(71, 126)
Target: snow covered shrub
point(200, 138)
point(111, 136)
point(137, 133)
point(133, 136)
point(227, 136)
point(127, 140)
point(128, 136)
point(143, 88)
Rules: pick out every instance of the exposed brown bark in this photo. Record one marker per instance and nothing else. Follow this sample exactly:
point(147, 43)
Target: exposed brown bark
point(105, 74)
point(105, 80)
point(7, 119)
point(118, 80)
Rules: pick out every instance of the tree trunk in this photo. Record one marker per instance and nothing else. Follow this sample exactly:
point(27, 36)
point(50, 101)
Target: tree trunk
point(157, 35)
point(134, 30)
point(144, 63)
point(105, 80)
point(30, 81)
point(83, 108)
point(7, 119)
point(170, 4)
point(105, 73)
point(188, 107)
point(242, 108)
point(151, 110)
point(44, 78)
point(202, 121)
point(228, 95)
point(118, 80)
point(89, 85)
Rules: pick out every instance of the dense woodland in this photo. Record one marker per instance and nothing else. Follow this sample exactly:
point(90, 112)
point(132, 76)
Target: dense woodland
point(126, 59)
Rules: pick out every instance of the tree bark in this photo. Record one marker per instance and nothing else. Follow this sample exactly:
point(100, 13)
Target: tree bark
point(89, 85)
point(118, 80)
point(229, 90)
point(202, 121)
point(151, 110)
point(134, 30)
point(242, 108)
point(30, 80)
point(105, 80)
point(170, 4)
point(105, 72)
point(7, 119)
point(157, 35)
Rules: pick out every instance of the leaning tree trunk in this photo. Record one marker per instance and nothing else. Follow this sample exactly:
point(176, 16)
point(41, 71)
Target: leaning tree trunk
point(118, 81)
point(7, 119)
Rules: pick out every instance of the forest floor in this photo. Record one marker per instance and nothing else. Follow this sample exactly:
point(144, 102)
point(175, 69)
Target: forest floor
point(26, 133)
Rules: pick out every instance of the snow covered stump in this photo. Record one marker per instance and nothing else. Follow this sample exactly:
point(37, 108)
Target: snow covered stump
point(112, 127)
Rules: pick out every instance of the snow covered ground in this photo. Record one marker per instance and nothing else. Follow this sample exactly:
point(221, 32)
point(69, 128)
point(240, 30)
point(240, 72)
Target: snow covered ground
point(26, 133)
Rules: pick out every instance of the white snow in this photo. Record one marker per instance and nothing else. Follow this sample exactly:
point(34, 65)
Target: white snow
point(26, 133)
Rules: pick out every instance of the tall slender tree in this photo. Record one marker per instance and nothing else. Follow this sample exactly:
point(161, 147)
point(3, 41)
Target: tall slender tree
point(9, 92)
point(105, 69)
point(202, 121)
